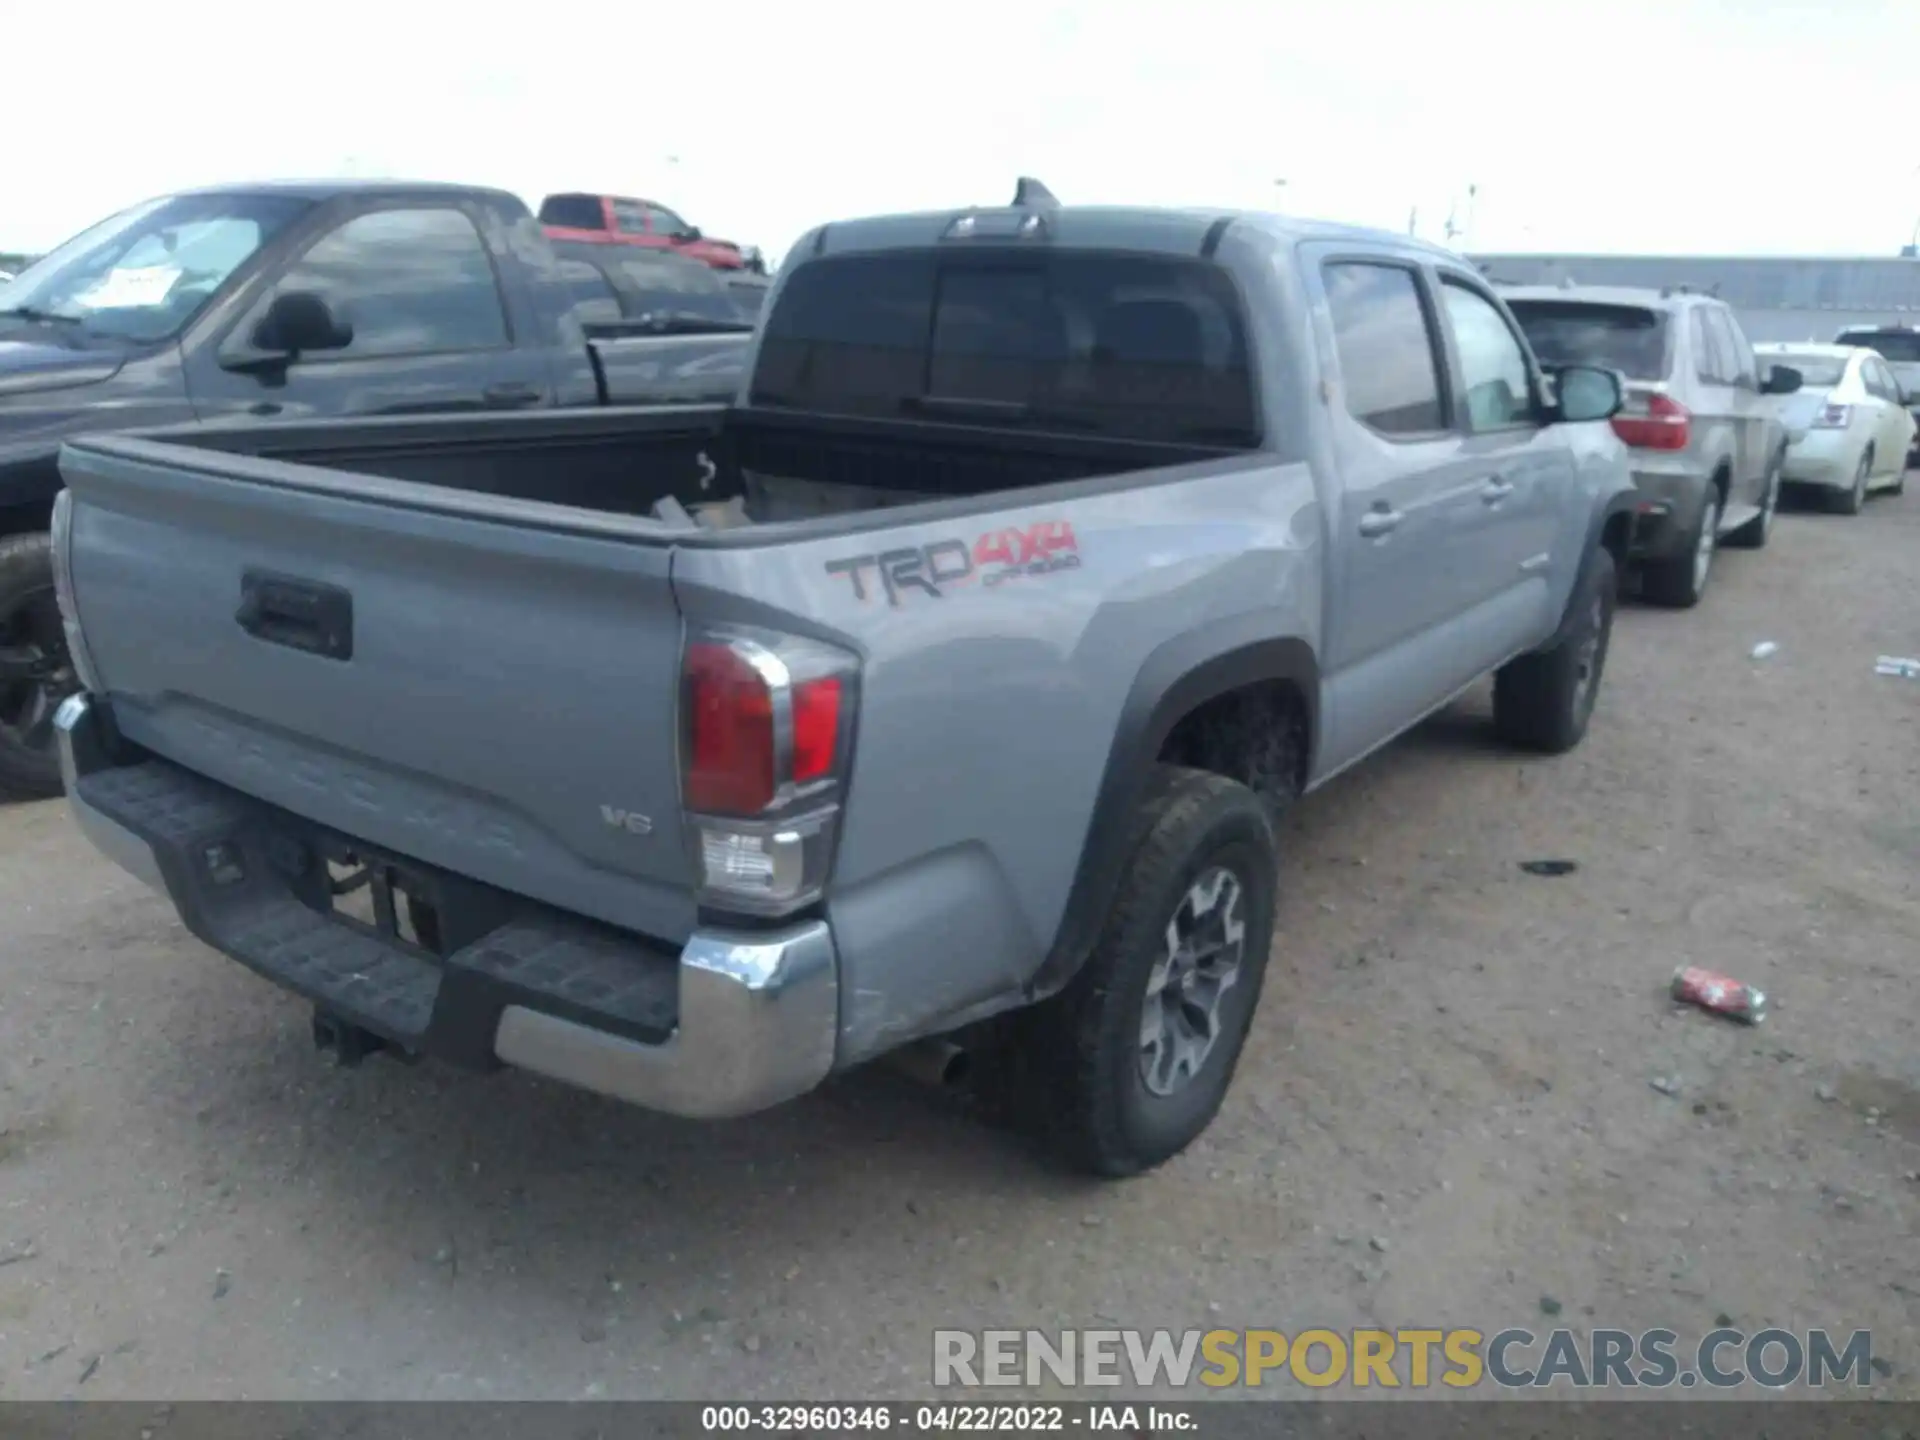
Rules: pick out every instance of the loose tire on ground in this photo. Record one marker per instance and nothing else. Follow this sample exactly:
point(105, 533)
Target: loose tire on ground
point(1543, 701)
point(29, 626)
point(1084, 1046)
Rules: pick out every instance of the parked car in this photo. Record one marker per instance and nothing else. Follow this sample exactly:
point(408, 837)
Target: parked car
point(621, 220)
point(1707, 447)
point(291, 301)
point(1051, 576)
point(650, 292)
point(1899, 346)
point(1848, 430)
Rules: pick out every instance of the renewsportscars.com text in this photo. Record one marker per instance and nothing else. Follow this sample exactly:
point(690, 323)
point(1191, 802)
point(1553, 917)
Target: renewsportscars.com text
point(1408, 1358)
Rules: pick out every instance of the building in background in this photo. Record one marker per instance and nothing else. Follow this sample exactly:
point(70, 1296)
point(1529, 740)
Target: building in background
point(1785, 298)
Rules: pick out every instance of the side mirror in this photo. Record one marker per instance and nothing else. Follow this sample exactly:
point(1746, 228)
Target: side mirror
point(1780, 380)
point(1588, 392)
point(299, 321)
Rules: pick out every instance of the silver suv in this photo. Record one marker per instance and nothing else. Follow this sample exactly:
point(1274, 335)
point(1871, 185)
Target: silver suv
point(1706, 448)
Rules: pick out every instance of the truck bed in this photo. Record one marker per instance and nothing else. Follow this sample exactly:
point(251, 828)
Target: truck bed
point(625, 462)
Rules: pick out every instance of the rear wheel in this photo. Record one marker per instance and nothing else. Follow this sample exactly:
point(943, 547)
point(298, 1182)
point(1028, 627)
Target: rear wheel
point(1681, 580)
point(35, 672)
point(1134, 1057)
point(1853, 500)
point(1543, 701)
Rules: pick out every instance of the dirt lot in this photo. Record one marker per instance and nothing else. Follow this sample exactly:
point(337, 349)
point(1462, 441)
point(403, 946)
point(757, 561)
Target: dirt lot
point(1454, 1060)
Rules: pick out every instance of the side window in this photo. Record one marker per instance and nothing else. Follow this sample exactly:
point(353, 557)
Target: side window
point(665, 222)
point(409, 282)
point(1493, 364)
point(1386, 351)
point(629, 217)
point(1711, 360)
point(1739, 352)
point(594, 300)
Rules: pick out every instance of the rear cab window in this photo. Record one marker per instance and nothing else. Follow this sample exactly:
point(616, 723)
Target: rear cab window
point(1132, 346)
point(573, 212)
point(1629, 338)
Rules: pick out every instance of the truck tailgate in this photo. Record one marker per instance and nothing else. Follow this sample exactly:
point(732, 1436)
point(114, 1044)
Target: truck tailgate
point(493, 699)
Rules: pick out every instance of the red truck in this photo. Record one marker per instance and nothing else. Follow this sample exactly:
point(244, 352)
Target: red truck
point(623, 220)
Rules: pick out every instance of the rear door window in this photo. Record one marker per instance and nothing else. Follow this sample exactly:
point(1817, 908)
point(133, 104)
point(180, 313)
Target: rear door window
point(1388, 370)
point(1712, 357)
point(629, 217)
point(1734, 340)
point(1132, 346)
point(1627, 338)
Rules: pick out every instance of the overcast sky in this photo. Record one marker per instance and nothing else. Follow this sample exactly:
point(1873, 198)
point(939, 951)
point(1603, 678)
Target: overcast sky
point(1704, 126)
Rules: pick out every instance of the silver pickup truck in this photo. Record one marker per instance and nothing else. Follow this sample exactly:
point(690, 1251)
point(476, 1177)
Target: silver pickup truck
point(959, 668)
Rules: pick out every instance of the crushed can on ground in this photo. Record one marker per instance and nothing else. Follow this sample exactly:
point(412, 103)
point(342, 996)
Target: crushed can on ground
point(1719, 993)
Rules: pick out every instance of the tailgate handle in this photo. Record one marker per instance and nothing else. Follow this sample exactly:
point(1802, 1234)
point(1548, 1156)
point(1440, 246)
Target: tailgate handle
point(300, 614)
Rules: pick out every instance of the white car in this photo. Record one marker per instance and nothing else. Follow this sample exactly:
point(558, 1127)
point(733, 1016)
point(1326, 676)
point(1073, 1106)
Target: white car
point(1848, 430)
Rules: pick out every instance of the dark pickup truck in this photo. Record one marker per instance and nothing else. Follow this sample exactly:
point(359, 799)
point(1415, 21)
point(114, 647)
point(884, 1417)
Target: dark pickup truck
point(295, 301)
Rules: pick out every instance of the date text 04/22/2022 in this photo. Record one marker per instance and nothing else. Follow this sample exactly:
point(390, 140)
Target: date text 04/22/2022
point(958, 1417)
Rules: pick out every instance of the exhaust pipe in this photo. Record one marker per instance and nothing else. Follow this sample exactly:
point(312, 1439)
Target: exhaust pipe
point(937, 1063)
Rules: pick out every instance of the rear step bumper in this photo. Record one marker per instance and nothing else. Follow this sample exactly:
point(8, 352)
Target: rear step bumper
point(733, 1023)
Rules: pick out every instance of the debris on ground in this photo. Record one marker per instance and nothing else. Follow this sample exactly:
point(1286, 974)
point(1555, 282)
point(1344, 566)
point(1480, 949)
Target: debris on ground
point(1719, 993)
point(1766, 649)
point(1898, 665)
point(1665, 1084)
point(1549, 867)
point(1549, 1305)
point(222, 1283)
point(14, 1255)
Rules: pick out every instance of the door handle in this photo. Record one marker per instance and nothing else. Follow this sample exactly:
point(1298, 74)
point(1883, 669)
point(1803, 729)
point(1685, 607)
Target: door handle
point(1496, 490)
point(1376, 523)
point(510, 393)
point(264, 407)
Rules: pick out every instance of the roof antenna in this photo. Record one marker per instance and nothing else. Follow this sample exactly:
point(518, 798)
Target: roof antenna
point(1030, 194)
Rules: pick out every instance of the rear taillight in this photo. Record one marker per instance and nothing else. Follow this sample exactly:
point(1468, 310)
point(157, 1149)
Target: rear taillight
point(1653, 422)
point(766, 735)
point(1833, 417)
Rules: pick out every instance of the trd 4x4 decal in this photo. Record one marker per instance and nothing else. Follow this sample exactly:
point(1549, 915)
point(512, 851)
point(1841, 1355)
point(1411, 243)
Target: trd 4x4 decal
point(935, 568)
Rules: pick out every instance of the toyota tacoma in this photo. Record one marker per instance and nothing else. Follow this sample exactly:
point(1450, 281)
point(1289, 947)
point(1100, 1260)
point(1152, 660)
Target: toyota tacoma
point(959, 669)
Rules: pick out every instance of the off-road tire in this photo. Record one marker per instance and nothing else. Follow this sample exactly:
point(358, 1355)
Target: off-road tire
point(1673, 581)
point(1539, 702)
point(1083, 1045)
point(1756, 532)
point(26, 566)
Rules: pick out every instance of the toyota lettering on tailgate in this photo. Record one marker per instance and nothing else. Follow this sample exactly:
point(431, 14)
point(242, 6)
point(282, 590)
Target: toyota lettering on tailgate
point(1013, 553)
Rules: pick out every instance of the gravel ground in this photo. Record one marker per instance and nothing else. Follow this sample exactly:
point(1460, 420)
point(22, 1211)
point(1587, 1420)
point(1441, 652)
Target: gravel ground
point(1454, 1059)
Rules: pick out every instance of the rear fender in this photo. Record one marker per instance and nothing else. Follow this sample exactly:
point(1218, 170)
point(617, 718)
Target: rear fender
point(1179, 676)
